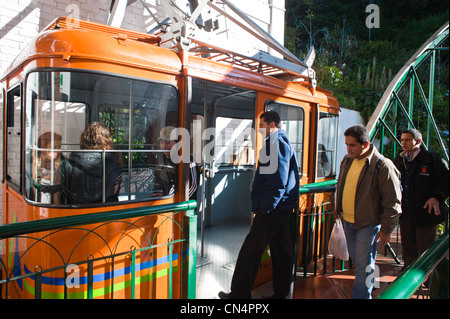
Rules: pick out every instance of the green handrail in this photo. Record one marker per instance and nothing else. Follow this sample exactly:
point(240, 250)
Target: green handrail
point(412, 278)
point(326, 186)
point(10, 230)
point(189, 232)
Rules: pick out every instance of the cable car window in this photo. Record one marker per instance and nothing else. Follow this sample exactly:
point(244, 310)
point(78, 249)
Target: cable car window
point(234, 141)
point(13, 137)
point(292, 121)
point(93, 138)
point(1, 134)
point(326, 147)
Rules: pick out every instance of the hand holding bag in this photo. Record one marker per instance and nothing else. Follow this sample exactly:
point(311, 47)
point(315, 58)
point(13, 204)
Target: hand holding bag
point(337, 246)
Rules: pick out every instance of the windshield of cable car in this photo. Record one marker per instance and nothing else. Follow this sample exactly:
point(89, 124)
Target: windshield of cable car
point(94, 138)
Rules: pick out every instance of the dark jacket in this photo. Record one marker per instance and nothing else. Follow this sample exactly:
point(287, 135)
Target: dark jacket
point(81, 177)
point(428, 177)
point(378, 193)
point(166, 176)
point(276, 182)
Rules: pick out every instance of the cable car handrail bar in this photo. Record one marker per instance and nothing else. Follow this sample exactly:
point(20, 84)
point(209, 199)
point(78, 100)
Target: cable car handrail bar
point(412, 278)
point(21, 228)
point(319, 187)
point(34, 148)
point(74, 23)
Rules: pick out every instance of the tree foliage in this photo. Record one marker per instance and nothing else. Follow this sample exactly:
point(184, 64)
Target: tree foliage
point(357, 63)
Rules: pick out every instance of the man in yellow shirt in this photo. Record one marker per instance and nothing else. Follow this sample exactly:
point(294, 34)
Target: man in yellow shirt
point(348, 198)
point(368, 198)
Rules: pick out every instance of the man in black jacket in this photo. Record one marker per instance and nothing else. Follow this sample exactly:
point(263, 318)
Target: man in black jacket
point(425, 182)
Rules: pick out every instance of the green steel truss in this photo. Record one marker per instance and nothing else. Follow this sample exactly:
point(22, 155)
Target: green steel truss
point(417, 98)
point(409, 100)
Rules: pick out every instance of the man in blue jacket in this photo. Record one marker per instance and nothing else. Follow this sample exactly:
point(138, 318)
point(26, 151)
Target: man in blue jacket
point(274, 195)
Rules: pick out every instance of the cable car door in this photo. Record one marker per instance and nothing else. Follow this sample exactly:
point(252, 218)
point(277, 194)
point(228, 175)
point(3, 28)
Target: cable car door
point(226, 115)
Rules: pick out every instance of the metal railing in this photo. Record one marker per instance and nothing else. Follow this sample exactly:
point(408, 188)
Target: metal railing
point(405, 286)
point(316, 220)
point(180, 254)
point(314, 223)
point(408, 103)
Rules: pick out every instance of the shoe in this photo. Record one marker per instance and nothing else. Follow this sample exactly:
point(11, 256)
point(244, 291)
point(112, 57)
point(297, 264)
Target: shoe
point(224, 295)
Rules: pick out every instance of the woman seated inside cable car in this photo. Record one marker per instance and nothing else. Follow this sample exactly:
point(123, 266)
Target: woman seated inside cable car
point(82, 173)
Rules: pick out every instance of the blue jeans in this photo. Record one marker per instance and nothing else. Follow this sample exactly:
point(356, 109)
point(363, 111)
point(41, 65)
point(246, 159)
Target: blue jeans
point(362, 249)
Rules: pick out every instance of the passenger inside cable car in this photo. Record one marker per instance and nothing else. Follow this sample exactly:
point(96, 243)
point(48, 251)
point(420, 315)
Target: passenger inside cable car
point(165, 174)
point(88, 176)
point(323, 163)
point(47, 172)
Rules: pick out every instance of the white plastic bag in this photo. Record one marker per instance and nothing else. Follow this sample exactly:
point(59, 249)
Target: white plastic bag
point(337, 246)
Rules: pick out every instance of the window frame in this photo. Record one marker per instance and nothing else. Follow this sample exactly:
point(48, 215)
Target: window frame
point(302, 151)
point(95, 117)
point(251, 147)
point(334, 159)
point(2, 134)
point(10, 120)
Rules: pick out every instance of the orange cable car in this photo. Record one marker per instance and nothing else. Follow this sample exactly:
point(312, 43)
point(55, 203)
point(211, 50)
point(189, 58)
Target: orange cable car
point(73, 79)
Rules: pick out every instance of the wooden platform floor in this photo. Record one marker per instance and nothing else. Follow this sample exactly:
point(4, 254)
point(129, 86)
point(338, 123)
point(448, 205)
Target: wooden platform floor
point(222, 244)
point(338, 285)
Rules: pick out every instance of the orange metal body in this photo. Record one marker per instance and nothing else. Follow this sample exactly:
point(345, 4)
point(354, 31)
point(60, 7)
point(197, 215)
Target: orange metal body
point(95, 47)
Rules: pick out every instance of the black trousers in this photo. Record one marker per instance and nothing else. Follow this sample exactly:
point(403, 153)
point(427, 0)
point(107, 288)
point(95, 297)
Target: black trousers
point(415, 240)
point(267, 229)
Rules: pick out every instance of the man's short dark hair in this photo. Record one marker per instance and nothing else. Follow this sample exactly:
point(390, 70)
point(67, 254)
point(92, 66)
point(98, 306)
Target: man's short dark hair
point(271, 116)
point(359, 132)
point(414, 132)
